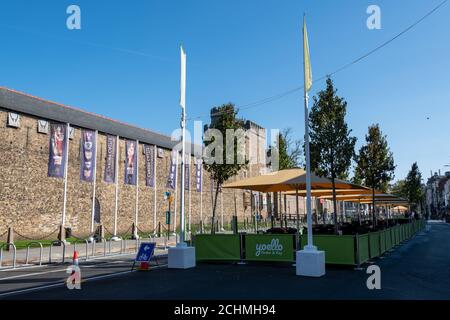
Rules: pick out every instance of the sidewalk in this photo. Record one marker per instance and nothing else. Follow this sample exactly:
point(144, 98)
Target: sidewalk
point(94, 250)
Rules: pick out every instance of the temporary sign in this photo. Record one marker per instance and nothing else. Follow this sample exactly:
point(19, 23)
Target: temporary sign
point(145, 252)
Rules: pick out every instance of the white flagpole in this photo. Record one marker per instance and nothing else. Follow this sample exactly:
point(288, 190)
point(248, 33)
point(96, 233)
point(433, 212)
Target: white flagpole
point(189, 201)
point(66, 167)
point(176, 196)
point(201, 196)
point(136, 218)
point(116, 207)
point(154, 190)
point(221, 210)
point(94, 182)
point(183, 154)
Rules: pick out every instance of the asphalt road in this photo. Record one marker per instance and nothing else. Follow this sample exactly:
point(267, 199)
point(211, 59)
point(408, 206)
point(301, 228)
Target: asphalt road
point(417, 269)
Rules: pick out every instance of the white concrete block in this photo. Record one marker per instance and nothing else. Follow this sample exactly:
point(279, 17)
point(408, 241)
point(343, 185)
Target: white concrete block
point(310, 263)
point(181, 257)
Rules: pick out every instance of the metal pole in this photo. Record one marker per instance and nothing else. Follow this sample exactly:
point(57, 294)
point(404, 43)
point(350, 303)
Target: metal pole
point(221, 209)
point(63, 219)
point(136, 218)
point(94, 182)
point(201, 197)
point(310, 245)
point(176, 196)
point(297, 210)
point(189, 200)
point(154, 190)
point(117, 186)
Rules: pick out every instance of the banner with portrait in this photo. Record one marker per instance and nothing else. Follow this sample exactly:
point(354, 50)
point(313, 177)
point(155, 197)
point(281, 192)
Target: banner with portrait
point(110, 164)
point(57, 155)
point(198, 175)
point(149, 154)
point(172, 179)
point(131, 149)
point(187, 172)
point(88, 155)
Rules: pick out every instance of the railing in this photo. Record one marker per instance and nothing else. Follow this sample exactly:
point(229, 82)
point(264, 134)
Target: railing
point(58, 242)
point(14, 253)
point(41, 250)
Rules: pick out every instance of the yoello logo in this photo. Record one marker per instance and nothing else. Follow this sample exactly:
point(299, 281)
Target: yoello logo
point(273, 248)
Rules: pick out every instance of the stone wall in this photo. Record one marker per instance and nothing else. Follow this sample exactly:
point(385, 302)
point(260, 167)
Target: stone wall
point(32, 202)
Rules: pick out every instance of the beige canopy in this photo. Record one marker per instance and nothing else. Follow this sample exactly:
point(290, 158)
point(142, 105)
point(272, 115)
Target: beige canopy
point(363, 197)
point(287, 180)
point(329, 192)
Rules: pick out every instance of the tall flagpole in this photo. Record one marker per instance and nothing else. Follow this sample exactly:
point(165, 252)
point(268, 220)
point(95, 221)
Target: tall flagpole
point(307, 86)
point(176, 196)
point(66, 167)
point(94, 183)
point(183, 127)
point(116, 206)
point(136, 218)
point(154, 189)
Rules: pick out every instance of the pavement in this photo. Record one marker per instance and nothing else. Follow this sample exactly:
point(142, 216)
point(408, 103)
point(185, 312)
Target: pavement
point(416, 269)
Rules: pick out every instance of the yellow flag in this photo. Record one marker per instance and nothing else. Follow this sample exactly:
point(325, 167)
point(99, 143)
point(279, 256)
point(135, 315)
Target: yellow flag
point(306, 60)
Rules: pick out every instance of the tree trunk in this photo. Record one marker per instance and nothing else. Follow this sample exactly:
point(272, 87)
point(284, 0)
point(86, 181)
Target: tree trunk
point(334, 205)
point(213, 222)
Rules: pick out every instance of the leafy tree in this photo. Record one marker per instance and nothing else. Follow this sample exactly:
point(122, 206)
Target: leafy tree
point(375, 163)
point(218, 163)
point(399, 189)
point(289, 150)
point(332, 146)
point(413, 186)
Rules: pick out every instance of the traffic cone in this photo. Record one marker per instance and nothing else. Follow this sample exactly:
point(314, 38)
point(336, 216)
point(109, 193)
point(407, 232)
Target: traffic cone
point(75, 258)
point(144, 266)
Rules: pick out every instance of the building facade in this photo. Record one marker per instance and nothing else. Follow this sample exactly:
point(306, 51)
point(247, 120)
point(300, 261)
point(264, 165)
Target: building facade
point(32, 202)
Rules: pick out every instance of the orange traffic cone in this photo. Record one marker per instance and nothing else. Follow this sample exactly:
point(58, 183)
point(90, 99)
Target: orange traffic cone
point(144, 266)
point(75, 258)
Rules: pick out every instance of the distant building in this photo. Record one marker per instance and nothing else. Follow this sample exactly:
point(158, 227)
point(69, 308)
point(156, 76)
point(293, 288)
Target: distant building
point(437, 192)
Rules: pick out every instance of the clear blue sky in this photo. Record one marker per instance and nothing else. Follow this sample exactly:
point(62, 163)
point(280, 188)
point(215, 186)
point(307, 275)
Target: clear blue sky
point(124, 63)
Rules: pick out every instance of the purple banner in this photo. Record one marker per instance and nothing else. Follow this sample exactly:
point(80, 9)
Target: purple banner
point(187, 172)
point(131, 150)
point(57, 154)
point(199, 175)
point(149, 153)
point(172, 179)
point(110, 164)
point(88, 155)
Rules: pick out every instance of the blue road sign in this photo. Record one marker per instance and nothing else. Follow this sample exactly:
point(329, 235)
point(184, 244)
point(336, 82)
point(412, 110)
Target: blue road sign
point(145, 252)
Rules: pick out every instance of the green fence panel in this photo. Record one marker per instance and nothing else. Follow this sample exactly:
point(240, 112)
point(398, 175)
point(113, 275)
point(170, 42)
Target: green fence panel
point(363, 248)
point(269, 247)
point(383, 241)
point(389, 239)
point(219, 247)
point(374, 244)
point(396, 235)
point(338, 249)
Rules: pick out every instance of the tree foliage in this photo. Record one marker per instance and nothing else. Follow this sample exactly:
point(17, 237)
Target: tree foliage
point(375, 162)
point(413, 186)
point(225, 119)
point(332, 147)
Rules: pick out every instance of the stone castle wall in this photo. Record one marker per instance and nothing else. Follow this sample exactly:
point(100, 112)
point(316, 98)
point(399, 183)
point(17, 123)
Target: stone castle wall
point(32, 202)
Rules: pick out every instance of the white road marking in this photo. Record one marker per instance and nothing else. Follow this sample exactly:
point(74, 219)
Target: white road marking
point(59, 284)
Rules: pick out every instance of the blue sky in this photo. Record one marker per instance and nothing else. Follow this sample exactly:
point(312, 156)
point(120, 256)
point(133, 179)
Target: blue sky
point(124, 63)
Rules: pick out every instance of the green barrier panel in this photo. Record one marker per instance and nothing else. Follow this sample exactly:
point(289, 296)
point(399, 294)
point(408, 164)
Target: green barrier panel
point(269, 247)
point(397, 234)
point(338, 249)
point(383, 241)
point(388, 239)
point(219, 247)
point(374, 244)
point(402, 232)
point(363, 248)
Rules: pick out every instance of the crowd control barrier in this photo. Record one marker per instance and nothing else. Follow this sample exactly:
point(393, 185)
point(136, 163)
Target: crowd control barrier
point(351, 250)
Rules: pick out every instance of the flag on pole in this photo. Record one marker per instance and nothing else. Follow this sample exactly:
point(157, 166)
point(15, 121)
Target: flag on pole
point(183, 80)
point(306, 60)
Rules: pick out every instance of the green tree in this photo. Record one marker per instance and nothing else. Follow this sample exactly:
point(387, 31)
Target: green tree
point(375, 163)
point(289, 150)
point(413, 187)
point(399, 189)
point(217, 159)
point(332, 146)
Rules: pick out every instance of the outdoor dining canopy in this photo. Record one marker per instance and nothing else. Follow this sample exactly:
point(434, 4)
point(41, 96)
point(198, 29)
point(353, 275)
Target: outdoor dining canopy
point(287, 180)
point(329, 192)
point(364, 197)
